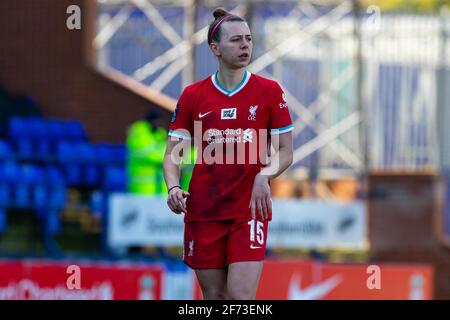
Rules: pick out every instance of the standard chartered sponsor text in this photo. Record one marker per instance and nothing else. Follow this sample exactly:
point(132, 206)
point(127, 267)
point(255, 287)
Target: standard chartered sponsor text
point(31, 290)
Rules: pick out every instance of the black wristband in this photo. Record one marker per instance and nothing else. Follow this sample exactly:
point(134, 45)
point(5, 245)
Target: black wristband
point(177, 186)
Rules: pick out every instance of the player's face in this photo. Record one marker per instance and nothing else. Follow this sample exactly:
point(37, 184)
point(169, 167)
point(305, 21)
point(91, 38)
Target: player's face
point(235, 46)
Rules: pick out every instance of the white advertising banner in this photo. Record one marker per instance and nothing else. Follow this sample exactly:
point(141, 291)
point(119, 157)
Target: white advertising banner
point(317, 224)
point(143, 220)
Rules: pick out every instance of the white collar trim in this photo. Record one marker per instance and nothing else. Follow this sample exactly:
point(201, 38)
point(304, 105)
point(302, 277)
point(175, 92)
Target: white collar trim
point(240, 86)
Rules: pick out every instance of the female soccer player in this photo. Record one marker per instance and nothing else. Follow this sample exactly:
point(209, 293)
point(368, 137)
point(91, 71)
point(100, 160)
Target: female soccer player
point(234, 116)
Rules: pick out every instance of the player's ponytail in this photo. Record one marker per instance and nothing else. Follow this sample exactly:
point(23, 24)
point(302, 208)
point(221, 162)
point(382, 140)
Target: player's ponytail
point(220, 15)
point(220, 12)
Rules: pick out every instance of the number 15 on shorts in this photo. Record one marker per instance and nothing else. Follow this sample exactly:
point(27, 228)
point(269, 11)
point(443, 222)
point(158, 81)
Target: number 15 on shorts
point(256, 229)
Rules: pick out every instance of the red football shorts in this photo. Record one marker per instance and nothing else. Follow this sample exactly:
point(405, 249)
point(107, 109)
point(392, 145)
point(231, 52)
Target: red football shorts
point(217, 244)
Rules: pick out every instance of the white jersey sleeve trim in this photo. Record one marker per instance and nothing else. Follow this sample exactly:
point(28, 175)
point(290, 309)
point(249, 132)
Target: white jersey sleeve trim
point(282, 129)
point(179, 134)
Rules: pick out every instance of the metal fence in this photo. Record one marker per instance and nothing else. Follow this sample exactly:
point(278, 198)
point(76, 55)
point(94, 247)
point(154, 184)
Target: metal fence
point(365, 88)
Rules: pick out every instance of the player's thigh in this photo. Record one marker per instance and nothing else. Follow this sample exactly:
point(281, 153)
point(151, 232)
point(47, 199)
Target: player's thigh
point(247, 241)
point(205, 252)
point(246, 248)
point(213, 283)
point(243, 279)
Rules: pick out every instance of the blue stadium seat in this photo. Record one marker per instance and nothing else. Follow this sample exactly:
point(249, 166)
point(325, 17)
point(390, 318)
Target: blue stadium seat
point(32, 137)
point(80, 164)
point(19, 184)
point(24, 147)
point(115, 179)
point(103, 153)
point(39, 196)
point(22, 195)
point(72, 174)
point(119, 153)
point(31, 174)
point(56, 197)
point(43, 148)
point(52, 222)
point(3, 220)
point(111, 153)
point(85, 152)
point(75, 131)
point(36, 127)
point(64, 136)
point(75, 152)
point(54, 176)
point(5, 150)
point(97, 203)
point(65, 152)
point(5, 195)
point(17, 128)
point(56, 130)
point(91, 174)
point(9, 172)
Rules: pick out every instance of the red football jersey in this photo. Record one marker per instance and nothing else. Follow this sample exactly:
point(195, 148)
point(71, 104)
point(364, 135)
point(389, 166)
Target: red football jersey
point(232, 130)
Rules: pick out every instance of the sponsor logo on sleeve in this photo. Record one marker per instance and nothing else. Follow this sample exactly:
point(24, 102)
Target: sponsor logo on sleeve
point(284, 103)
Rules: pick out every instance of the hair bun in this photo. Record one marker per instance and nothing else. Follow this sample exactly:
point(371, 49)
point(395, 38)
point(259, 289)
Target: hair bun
point(220, 12)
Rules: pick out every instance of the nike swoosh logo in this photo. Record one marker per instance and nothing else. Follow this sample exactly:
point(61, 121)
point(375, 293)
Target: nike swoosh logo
point(254, 247)
point(202, 115)
point(315, 291)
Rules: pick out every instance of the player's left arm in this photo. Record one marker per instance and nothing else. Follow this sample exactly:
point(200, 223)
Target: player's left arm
point(280, 160)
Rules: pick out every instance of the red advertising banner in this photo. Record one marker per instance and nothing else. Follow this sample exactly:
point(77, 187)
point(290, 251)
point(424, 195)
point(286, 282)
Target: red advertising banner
point(295, 280)
point(31, 280)
point(309, 280)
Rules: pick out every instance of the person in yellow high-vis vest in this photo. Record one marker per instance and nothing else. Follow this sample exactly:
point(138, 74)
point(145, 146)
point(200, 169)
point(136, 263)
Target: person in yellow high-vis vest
point(146, 142)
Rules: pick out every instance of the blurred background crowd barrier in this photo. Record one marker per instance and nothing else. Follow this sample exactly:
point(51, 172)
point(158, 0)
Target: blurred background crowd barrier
point(84, 113)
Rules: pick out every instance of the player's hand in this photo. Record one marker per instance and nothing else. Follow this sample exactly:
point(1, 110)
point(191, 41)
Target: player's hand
point(177, 200)
point(260, 200)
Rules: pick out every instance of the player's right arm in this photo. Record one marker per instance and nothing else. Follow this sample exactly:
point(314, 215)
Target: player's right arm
point(178, 141)
point(171, 166)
